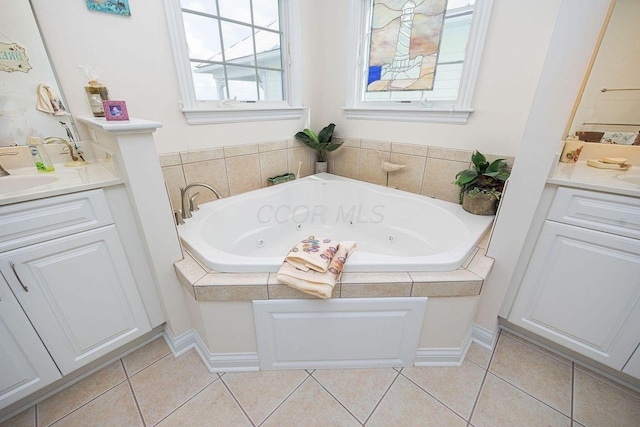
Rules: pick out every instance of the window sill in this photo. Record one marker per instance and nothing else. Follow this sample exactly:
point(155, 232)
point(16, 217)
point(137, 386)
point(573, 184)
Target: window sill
point(236, 115)
point(422, 115)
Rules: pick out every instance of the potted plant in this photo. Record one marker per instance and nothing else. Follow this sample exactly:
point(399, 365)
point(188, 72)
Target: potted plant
point(321, 142)
point(481, 186)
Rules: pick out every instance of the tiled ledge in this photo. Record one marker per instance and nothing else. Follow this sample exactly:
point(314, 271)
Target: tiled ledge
point(207, 285)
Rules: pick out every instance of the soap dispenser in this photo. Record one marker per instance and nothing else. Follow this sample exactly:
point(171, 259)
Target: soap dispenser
point(40, 157)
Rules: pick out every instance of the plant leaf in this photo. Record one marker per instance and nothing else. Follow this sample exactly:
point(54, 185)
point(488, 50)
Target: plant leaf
point(326, 134)
point(311, 134)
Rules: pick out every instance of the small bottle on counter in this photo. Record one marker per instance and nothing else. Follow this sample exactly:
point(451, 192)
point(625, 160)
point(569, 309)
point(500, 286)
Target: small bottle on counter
point(40, 157)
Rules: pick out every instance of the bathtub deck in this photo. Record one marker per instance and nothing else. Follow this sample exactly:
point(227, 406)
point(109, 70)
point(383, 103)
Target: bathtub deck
point(207, 285)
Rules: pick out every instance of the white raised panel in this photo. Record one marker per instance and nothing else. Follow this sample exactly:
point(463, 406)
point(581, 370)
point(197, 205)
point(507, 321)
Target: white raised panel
point(365, 332)
point(80, 295)
point(40, 220)
point(632, 366)
point(582, 290)
point(611, 213)
point(25, 365)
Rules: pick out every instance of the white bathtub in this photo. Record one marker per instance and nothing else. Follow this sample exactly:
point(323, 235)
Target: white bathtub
point(394, 230)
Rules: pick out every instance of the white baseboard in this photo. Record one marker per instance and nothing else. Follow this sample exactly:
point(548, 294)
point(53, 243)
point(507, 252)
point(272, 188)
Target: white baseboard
point(215, 362)
point(484, 337)
point(455, 356)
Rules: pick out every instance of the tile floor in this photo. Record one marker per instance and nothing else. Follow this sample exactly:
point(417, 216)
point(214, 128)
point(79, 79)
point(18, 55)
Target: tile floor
point(519, 384)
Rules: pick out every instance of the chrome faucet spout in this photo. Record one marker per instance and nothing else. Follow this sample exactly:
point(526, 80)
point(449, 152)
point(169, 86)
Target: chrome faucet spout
point(52, 139)
point(186, 201)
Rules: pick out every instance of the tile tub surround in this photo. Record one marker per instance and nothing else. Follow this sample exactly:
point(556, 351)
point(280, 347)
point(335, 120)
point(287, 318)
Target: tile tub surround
point(235, 169)
point(205, 284)
point(497, 389)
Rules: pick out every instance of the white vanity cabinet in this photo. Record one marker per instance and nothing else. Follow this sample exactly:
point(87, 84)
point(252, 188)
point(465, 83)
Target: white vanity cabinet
point(581, 288)
point(25, 364)
point(65, 265)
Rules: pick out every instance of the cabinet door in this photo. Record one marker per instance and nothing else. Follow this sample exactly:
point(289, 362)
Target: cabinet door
point(79, 293)
point(25, 365)
point(582, 290)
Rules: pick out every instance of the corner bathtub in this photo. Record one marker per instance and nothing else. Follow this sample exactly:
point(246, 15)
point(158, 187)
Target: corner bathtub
point(394, 230)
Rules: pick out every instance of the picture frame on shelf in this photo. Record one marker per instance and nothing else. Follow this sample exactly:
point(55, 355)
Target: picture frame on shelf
point(115, 110)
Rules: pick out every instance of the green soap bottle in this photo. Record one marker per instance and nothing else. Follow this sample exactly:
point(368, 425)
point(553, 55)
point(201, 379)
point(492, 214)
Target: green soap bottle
point(40, 157)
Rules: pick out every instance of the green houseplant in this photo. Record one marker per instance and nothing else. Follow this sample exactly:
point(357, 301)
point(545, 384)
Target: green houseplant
point(482, 185)
point(320, 142)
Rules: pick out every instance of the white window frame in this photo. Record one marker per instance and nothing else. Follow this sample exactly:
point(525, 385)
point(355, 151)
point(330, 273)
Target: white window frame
point(228, 111)
point(455, 112)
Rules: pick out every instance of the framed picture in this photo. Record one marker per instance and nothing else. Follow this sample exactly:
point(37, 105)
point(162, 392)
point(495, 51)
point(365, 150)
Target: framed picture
point(115, 110)
point(119, 7)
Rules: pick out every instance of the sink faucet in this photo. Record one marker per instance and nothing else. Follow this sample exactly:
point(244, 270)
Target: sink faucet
point(72, 153)
point(3, 171)
point(188, 203)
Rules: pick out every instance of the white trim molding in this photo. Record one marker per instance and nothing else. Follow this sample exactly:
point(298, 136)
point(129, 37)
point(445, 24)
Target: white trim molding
point(455, 356)
point(215, 362)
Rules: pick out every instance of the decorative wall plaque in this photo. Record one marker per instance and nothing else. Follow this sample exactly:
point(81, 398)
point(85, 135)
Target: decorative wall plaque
point(13, 58)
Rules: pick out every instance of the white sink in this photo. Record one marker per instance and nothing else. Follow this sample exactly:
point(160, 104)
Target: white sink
point(13, 183)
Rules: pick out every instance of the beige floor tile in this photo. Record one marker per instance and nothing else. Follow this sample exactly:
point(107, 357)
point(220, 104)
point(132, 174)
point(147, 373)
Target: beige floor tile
point(145, 356)
point(23, 419)
point(359, 390)
point(502, 405)
point(607, 380)
point(536, 347)
point(260, 393)
point(213, 406)
point(599, 404)
point(168, 383)
point(534, 372)
point(71, 398)
point(407, 405)
point(479, 355)
point(456, 387)
point(310, 406)
point(114, 408)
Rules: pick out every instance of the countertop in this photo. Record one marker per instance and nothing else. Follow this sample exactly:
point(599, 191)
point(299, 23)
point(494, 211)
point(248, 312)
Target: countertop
point(579, 175)
point(69, 180)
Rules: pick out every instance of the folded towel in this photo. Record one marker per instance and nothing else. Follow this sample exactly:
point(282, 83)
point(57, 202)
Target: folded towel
point(312, 253)
point(49, 102)
point(313, 282)
point(621, 138)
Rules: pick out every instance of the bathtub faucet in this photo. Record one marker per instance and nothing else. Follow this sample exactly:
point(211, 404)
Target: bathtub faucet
point(188, 204)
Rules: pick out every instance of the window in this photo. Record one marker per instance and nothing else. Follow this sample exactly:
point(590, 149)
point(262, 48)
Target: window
point(236, 59)
point(442, 90)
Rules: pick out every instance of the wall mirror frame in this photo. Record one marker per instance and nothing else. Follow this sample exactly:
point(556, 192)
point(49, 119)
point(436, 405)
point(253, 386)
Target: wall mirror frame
point(609, 99)
point(19, 90)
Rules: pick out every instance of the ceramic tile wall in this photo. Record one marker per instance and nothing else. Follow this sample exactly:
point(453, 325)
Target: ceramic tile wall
point(235, 169)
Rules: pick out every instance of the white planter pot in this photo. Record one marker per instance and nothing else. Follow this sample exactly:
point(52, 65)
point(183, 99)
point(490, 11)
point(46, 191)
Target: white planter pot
point(321, 167)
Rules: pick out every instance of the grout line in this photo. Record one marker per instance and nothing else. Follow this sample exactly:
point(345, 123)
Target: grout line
point(438, 400)
point(573, 384)
point(486, 372)
point(135, 400)
point(283, 400)
point(382, 398)
point(336, 399)
point(186, 401)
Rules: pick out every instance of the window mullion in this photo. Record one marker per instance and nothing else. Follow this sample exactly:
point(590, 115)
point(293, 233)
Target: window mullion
point(224, 59)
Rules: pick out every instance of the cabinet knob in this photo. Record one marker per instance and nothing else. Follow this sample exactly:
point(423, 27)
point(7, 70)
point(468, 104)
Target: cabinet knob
point(13, 267)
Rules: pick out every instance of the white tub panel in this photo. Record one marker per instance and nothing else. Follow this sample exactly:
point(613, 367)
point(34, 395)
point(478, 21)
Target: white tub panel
point(345, 333)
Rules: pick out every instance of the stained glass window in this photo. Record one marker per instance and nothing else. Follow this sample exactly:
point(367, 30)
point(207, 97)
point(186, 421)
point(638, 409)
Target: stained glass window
point(405, 33)
point(405, 42)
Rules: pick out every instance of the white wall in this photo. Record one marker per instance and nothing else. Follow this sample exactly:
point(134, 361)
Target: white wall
point(135, 54)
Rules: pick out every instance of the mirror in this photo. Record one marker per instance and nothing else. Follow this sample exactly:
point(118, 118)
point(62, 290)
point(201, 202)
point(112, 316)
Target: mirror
point(19, 88)
point(610, 101)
